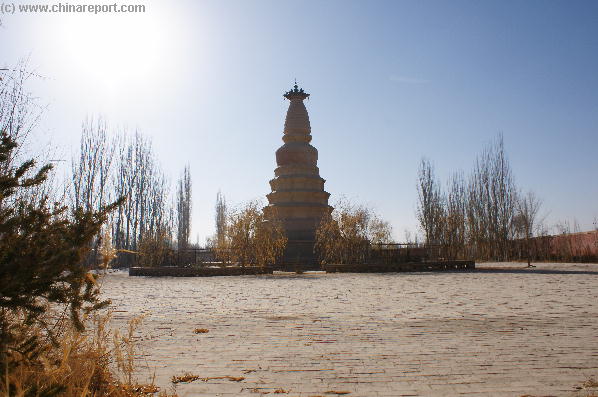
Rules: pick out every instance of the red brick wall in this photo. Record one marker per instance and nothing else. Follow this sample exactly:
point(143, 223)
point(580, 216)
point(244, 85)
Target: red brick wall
point(575, 244)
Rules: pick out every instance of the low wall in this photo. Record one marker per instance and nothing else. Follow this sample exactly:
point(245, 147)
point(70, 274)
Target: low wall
point(168, 271)
point(401, 267)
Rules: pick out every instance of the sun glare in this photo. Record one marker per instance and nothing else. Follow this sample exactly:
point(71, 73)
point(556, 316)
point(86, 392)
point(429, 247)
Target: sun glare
point(114, 51)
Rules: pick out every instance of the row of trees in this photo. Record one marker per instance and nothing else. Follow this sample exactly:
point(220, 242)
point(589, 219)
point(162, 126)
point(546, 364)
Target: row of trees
point(479, 215)
point(108, 166)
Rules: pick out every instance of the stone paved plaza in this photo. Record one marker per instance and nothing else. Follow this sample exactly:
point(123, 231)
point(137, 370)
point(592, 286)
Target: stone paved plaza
point(409, 334)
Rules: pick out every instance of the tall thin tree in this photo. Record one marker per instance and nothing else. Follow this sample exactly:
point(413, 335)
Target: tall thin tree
point(220, 218)
point(430, 210)
point(183, 208)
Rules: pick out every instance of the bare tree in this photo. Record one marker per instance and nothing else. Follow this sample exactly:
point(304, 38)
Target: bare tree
point(90, 175)
point(19, 110)
point(183, 208)
point(91, 168)
point(455, 223)
point(221, 218)
point(527, 207)
point(430, 208)
point(491, 198)
point(147, 211)
point(504, 193)
point(476, 216)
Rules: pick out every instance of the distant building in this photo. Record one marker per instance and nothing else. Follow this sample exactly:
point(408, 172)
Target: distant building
point(298, 198)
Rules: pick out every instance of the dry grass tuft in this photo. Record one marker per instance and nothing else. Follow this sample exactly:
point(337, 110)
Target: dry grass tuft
point(80, 363)
point(141, 390)
point(188, 377)
point(590, 383)
point(258, 391)
point(201, 331)
point(185, 378)
point(281, 391)
point(338, 393)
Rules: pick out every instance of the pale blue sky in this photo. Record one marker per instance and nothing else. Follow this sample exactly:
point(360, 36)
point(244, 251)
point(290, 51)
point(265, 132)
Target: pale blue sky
point(390, 82)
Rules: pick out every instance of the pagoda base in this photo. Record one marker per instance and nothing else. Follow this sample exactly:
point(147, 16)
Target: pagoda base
point(300, 253)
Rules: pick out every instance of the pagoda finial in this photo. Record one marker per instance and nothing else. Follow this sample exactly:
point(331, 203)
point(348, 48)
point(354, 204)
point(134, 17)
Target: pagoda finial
point(296, 93)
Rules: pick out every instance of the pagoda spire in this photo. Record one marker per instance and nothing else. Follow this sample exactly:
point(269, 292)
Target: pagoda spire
point(295, 93)
point(296, 125)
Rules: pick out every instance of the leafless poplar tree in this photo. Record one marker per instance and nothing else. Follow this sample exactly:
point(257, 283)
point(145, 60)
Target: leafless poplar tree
point(220, 218)
point(138, 177)
point(528, 207)
point(183, 208)
point(475, 217)
point(90, 188)
point(91, 168)
point(430, 208)
point(455, 222)
point(491, 199)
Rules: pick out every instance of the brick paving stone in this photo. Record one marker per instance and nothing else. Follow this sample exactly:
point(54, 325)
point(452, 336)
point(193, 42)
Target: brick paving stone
point(408, 334)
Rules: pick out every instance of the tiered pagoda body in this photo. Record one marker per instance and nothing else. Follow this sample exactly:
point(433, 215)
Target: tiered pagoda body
point(298, 198)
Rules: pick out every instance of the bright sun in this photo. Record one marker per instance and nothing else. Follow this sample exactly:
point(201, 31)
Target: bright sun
point(114, 50)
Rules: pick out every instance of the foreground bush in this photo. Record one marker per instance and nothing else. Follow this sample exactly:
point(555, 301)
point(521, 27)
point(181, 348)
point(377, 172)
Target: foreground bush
point(46, 294)
point(98, 362)
point(41, 249)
